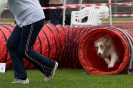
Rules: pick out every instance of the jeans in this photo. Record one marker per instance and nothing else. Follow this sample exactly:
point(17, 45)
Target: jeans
point(20, 45)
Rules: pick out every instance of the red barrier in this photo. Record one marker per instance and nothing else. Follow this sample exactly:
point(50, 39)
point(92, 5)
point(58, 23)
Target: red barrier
point(68, 6)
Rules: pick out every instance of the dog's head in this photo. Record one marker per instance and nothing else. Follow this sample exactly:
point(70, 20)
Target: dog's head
point(102, 44)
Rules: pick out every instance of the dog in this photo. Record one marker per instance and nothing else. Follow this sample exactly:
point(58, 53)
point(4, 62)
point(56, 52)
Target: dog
point(105, 48)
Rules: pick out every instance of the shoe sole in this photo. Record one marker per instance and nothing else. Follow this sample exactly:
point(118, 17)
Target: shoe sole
point(21, 81)
point(56, 65)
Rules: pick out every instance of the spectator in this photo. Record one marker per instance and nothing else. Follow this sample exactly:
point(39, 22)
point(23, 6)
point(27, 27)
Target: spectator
point(45, 3)
point(55, 13)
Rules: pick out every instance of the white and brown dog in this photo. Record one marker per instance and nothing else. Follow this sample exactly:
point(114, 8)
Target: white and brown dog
point(105, 48)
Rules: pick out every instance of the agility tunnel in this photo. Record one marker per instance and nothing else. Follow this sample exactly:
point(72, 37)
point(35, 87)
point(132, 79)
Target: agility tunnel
point(5, 31)
point(93, 64)
point(73, 47)
point(55, 42)
point(61, 44)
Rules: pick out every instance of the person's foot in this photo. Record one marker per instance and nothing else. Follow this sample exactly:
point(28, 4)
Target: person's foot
point(20, 81)
point(52, 73)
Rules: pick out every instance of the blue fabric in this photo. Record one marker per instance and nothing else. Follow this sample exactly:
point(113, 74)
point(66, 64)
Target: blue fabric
point(55, 14)
point(19, 45)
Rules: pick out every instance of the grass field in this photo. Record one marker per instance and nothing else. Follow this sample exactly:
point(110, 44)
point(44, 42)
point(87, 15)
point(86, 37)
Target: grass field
point(11, 20)
point(7, 20)
point(119, 20)
point(69, 78)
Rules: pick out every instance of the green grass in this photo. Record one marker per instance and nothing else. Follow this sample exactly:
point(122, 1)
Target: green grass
point(68, 78)
point(6, 20)
point(119, 20)
point(11, 20)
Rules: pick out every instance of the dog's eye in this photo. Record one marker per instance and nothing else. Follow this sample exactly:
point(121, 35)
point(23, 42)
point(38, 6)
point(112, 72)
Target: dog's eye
point(102, 46)
point(96, 48)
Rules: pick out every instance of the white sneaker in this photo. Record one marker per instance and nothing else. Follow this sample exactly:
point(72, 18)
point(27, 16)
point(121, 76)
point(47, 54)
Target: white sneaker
point(52, 73)
point(26, 81)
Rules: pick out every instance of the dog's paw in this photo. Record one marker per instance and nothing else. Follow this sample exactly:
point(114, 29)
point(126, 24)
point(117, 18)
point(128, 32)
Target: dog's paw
point(110, 66)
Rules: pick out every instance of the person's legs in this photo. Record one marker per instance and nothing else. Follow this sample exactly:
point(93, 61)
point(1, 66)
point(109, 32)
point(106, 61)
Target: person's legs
point(21, 47)
point(28, 37)
point(55, 14)
point(17, 60)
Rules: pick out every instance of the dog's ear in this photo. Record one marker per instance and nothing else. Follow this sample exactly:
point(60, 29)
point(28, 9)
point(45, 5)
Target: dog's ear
point(107, 41)
point(95, 43)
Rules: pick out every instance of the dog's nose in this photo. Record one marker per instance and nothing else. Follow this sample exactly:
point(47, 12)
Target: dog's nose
point(99, 54)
